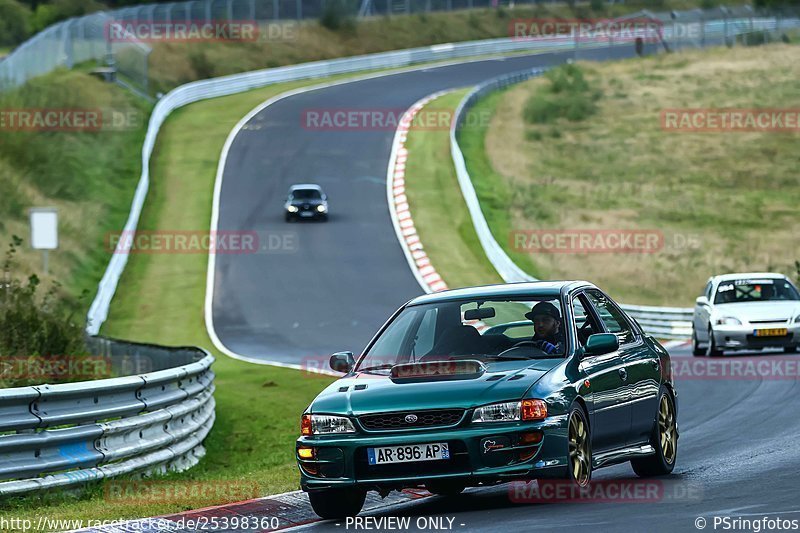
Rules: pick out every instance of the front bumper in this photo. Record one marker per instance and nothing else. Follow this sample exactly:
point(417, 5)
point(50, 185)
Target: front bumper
point(744, 338)
point(341, 460)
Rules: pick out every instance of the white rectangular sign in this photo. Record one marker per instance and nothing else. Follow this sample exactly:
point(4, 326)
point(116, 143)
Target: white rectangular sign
point(44, 228)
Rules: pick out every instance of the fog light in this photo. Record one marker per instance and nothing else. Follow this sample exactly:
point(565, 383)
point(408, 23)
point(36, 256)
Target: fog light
point(306, 453)
point(532, 437)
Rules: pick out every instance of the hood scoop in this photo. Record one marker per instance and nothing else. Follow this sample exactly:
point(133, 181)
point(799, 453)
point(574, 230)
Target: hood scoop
point(438, 370)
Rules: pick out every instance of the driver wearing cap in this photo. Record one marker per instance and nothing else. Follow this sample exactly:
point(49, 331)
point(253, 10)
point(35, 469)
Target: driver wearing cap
point(548, 336)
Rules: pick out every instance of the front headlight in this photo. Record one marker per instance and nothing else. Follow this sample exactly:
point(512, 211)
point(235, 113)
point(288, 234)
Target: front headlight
point(321, 208)
point(797, 319)
point(325, 424)
point(511, 411)
point(728, 321)
point(292, 208)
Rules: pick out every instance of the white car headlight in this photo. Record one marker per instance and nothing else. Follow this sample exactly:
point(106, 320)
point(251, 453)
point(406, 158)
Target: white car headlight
point(728, 321)
point(292, 208)
point(325, 425)
point(511, 411)
point(797, 319)
point(321, 208)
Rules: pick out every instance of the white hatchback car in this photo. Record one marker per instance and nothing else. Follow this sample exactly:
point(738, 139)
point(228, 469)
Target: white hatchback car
point(746, 311)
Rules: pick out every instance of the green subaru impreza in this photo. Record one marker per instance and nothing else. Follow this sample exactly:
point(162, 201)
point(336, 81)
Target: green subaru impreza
point(478, 386)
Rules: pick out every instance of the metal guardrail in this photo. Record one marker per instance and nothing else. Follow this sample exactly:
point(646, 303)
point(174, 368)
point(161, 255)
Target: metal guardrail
point(663, 322)
point(68, 434)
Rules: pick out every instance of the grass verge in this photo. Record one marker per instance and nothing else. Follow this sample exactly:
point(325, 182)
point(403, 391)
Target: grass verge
point(88, 174)
point(440, 215)
point(723, 201)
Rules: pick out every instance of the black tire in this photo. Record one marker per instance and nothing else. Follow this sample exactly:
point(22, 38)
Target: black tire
point(697, 351)
point(337, 503)
point(579, 450)
point(790, 349)
point(712, 350)
point(444, 488)
point(663, 461)
point(288, 217)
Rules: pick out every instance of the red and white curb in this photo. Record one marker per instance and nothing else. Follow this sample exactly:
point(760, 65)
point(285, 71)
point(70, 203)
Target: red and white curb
point(418, 259)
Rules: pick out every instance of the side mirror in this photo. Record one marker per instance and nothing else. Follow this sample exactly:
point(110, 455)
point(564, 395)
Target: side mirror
point(601, 344)
point(342, 362)
point(701, 300)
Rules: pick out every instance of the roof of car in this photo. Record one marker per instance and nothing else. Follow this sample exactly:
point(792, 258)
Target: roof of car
point(749, 275)
point(524, 289)
point(305, 186)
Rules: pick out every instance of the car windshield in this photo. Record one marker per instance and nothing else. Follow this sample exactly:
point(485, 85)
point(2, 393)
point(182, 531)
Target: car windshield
point(487, 330)
point(755, 290)
point(306, 194)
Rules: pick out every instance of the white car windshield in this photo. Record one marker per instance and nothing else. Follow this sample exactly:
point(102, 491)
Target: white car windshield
point(755, 290)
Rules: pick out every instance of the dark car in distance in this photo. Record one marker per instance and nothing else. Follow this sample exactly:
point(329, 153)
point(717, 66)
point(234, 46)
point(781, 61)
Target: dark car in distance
point(306, 201)
point(451, 393)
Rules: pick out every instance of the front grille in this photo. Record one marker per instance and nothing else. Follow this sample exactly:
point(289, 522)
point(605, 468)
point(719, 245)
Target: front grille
point(776, 321)
point(397, 421)
point(457, 464)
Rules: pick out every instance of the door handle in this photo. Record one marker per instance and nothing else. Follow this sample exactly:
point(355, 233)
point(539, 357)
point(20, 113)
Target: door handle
point(623, 374)
point(656, 364)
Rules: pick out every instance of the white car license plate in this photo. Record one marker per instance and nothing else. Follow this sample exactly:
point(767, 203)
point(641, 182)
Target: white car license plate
point(408, 454)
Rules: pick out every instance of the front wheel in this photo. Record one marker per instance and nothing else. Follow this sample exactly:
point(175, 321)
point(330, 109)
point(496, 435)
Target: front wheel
point(664, 439)
point(712, 351)
point(337, 503)
point(580, 448)
point(696, 349)
point(790, 349)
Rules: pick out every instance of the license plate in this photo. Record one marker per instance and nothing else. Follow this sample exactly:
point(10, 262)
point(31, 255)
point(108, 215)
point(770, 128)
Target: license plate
point(306, 214)
point(408, 454)
point(774, 332)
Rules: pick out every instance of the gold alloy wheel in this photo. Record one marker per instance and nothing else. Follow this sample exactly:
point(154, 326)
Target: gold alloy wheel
point(668, 436)
point(579, 456)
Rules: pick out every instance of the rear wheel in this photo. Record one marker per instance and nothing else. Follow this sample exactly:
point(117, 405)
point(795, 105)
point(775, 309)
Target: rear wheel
point(443, 488)
point(664, 439)
point(712, 350)
point(696, 349)
point(579, 459)
point(337, 503)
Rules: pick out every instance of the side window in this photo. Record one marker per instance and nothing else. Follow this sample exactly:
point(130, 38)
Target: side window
point(423, 342)
point(584, 322)
point(614, 321)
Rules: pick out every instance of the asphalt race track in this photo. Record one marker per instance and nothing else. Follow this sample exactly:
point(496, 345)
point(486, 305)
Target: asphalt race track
point(335, 283)
point(737, 457)
point(737, 453)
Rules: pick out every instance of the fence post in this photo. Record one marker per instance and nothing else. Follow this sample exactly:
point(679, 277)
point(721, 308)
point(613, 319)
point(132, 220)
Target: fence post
point(230, 10)
point(299, 10)
point(208, 11)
